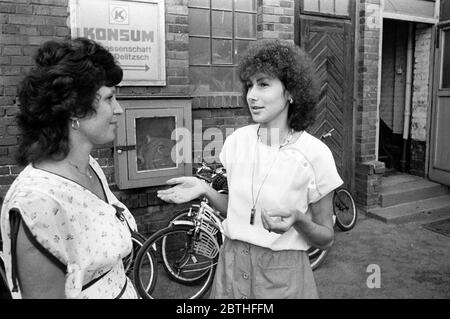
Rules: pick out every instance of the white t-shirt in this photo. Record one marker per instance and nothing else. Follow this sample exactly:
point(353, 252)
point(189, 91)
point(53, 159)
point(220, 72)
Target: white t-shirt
point(294, 176)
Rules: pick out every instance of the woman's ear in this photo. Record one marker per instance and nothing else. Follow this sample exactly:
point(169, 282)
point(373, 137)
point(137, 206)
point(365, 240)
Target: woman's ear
point(289, 97)
point(74, 123)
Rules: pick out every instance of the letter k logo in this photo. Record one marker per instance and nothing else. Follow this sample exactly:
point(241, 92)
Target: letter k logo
point(118, 14)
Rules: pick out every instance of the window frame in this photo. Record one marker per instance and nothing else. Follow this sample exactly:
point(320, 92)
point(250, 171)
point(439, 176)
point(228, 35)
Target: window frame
point(234, 38)
point(326, 14)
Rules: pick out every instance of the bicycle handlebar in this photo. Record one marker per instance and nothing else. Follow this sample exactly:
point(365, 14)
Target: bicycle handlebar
point(216, 178)
point(327, 134)
point(201, 170)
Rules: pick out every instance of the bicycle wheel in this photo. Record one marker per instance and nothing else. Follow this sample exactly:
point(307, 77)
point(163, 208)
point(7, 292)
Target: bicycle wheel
point(345, 209)
point(129, 261)
point(317, 256)
point(185, 214)
point(181, 253)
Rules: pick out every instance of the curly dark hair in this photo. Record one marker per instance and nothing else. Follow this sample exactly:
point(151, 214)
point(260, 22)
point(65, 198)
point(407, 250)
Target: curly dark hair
point(63, 84)
point(291, 65)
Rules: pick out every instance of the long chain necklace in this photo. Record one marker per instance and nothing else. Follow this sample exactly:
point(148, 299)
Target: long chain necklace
point(255, 200)
point(80, 171)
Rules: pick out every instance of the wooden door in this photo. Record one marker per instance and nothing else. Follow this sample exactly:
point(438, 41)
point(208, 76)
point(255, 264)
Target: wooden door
point(439, 163)
point(329, 40)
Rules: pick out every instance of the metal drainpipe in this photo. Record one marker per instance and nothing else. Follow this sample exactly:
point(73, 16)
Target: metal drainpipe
point(409, 77)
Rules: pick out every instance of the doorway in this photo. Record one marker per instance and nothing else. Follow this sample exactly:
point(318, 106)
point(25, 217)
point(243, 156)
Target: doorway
point(396, 95)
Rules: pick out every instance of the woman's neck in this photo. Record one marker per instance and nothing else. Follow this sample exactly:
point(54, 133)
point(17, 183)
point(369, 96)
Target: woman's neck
point(273, 135)
point(79, 153)
point(81, 160)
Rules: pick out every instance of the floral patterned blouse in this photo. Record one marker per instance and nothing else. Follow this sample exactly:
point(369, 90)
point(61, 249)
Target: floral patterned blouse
point(85, 235)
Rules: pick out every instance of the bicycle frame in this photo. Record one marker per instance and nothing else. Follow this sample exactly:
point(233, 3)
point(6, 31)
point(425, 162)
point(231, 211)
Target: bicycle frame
point(204, 219)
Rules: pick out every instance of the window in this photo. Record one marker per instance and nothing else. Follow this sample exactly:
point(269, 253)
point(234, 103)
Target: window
point(219, 31)
point(334, 7)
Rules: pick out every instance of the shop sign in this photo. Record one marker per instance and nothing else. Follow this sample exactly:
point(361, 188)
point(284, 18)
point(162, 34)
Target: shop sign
point(132, 30)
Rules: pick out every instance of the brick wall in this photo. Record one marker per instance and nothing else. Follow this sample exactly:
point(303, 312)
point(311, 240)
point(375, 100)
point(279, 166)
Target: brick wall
point(420, 98)
point(276, 19)
point(368, 170)
point(24, 25)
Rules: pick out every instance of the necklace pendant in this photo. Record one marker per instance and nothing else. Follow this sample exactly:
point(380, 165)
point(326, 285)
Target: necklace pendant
point(252, 216)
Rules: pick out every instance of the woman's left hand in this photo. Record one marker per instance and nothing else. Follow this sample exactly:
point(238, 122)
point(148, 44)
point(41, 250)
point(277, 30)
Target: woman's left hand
point(281, 220)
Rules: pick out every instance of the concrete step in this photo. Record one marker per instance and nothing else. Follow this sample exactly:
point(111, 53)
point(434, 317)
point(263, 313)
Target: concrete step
point(409, 189)
point(421, 210)
point(397, 179)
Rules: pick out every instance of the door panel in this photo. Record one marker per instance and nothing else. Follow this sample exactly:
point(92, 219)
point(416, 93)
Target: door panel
point(330, 43)
point(442, 154)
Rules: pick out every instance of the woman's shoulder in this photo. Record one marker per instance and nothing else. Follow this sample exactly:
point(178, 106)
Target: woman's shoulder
point(34, 185)
point(312, 143)
point(313, 149)
point(242, 132)
point(30, 201)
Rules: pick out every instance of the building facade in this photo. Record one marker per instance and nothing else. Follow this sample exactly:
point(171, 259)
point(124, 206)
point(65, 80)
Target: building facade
point(359, 51)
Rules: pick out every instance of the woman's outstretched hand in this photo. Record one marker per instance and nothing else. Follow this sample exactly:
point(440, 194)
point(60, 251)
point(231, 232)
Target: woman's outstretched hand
point(185, 190)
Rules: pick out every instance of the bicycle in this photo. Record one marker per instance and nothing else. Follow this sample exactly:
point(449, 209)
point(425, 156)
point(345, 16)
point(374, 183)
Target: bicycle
point(187, 249)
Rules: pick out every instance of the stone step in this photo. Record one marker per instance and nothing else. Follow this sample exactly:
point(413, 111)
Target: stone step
point(409, 190)
point(420, 210)
point(398, 179)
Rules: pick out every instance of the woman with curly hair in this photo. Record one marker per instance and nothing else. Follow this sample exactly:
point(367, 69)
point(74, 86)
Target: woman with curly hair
point(280, 181)
point(64, 232)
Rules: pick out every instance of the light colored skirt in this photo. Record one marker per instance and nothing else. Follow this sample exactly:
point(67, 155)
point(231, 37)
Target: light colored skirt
point(248, 271)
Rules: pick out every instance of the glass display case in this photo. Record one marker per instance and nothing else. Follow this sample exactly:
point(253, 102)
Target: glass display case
point(153, 142)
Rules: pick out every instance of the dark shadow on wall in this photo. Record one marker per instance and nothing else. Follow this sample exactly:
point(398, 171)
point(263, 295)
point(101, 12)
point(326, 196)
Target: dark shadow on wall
point(390, 148)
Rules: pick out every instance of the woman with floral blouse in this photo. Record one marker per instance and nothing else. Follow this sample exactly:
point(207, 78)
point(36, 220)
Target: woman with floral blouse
point(64, 232)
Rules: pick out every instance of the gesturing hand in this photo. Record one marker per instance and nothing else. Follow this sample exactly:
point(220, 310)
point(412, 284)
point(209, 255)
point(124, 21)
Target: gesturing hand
point(185, 190)
point(281, 220)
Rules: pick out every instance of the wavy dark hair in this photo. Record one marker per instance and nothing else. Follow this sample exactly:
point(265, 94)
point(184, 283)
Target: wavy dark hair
point(62, 84)
point(291, 65)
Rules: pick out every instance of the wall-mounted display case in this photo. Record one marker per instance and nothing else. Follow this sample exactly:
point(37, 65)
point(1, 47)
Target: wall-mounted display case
point(153, 142)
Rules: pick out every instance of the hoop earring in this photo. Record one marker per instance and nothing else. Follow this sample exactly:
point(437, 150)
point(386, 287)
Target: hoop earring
point(291, 101)
point(75, 124)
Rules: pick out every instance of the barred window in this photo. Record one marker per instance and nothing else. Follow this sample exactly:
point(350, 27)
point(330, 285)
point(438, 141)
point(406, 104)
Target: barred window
point(219, 31)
